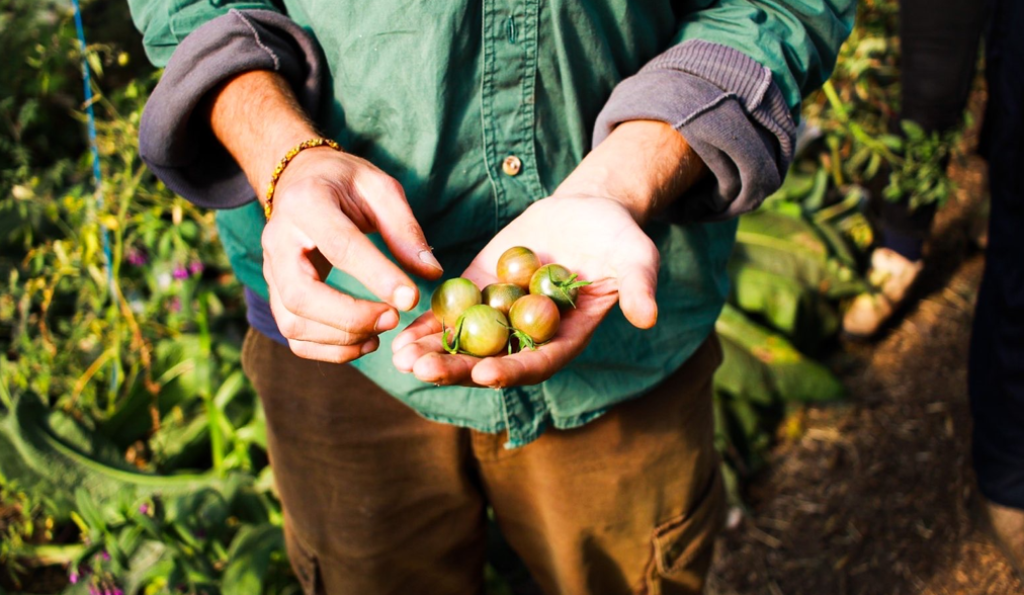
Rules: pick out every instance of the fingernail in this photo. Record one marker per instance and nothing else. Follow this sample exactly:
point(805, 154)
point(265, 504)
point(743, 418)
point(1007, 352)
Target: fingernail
point(386, 322)
point(427, 257)
point(404, 297)
point(369, 346)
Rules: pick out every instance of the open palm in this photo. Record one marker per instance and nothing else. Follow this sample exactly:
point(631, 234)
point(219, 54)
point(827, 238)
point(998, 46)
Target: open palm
point(594, 237)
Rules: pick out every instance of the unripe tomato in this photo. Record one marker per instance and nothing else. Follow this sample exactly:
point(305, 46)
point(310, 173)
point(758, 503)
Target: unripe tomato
point(483, 331)
point(536, 316)
point(516, 265)
point(558, 283)
point(452, 298)
point(501, 296)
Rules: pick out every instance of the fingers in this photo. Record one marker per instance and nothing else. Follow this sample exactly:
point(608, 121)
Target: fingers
point(399, 228)
point(308, 309)
point(348, 249)
point(426, 324)
point(332, 353)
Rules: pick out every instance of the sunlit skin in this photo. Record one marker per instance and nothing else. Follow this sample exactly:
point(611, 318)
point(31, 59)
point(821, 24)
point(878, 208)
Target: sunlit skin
point(452, 298)
point(517, 265)
point(592, 225)
point(501, 296)
point(536, 316)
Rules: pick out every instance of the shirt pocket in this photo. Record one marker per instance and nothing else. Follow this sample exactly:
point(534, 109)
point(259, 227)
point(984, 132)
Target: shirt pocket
point(682, 545)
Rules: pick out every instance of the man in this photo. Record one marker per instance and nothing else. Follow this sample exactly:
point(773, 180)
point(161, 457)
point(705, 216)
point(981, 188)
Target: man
point(469, 125)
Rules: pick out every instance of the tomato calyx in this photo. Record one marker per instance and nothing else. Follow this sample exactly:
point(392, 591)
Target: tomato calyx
point(525, 341)
point(452, 348)
point(567, 286)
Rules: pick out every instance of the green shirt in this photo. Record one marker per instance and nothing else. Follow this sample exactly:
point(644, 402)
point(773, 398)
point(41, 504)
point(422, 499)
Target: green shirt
point(437, 94)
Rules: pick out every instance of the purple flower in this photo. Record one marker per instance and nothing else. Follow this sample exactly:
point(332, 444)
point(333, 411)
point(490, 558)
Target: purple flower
point(73, 577)
point(144, 508)
point(94, 591)
point(117, 592)
point(136, 257)
point(105, 556)
point(195, 268)
point(180, 273)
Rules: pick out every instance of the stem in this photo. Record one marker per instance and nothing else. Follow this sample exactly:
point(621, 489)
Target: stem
point(213, 414)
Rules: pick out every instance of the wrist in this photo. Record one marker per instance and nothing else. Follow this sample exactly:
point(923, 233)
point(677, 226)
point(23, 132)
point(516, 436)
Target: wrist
point(643, 164)
point(258, 120)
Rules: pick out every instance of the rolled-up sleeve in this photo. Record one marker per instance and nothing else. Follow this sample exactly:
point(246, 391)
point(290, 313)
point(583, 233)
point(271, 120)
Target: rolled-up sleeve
point(179, 147)
point(730, 86)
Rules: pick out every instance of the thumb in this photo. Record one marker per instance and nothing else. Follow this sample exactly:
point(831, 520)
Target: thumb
point(637, 288)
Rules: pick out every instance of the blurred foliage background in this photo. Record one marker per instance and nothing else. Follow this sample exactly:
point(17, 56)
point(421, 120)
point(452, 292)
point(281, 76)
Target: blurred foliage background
point(132, 448)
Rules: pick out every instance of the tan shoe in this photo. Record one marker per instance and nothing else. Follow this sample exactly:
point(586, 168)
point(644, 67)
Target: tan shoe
point(892, 275)
point(1006, 526)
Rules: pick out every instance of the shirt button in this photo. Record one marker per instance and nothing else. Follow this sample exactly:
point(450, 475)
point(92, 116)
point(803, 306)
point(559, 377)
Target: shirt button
point(511, 166)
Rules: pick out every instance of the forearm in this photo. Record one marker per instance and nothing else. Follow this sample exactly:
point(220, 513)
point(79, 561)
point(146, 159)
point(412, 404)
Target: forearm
point(643, 164)
point(257, 118)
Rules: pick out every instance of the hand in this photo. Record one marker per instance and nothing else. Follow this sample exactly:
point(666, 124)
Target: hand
point(325, 204)
point(595, 237)
point(592, 225)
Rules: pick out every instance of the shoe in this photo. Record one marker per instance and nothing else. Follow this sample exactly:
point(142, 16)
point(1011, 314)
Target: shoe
point(892, 276)
point(1006, 527)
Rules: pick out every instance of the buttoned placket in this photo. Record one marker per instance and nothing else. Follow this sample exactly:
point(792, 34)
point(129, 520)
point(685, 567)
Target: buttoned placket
point(510, 40)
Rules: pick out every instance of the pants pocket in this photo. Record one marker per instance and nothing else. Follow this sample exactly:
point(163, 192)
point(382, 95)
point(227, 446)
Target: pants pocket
point(304, 563)
point(683, 546)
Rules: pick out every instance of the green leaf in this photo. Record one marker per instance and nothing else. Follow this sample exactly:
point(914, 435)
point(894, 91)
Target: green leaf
point(250, 558)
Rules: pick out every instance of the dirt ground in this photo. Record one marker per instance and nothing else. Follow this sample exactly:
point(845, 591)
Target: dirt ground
point(876, 495)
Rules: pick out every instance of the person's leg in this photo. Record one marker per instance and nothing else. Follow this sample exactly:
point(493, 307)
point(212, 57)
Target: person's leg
point(938, 52)
point(376, 499)
point(996, 371)
point(629, 503)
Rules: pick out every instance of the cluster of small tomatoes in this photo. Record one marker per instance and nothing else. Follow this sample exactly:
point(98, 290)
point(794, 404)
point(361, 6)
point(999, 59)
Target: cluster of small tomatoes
point(521, 310)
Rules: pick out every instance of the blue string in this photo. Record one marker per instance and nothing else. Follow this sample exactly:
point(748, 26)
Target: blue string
point(97, 175)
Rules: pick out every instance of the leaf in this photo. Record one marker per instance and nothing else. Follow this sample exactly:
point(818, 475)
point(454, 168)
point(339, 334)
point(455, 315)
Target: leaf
point(250, 558)
point(43, 463)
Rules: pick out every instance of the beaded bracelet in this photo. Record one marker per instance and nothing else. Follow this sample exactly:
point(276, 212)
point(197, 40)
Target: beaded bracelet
point(268, 205)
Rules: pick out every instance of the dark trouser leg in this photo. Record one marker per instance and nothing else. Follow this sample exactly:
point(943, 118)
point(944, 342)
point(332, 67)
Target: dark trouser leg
point(939, 45)
point(377, 500)
point(996, 372)
point(629, 503)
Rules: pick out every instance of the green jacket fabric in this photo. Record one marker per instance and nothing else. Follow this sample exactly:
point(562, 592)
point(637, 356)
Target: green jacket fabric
point(438, 94)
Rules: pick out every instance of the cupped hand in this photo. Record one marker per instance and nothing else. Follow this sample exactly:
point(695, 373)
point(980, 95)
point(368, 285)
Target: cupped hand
point(324, 205)
point(593, 236)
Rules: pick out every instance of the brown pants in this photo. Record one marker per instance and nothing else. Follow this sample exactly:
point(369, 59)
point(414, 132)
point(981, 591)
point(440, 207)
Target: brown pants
point(380, 501)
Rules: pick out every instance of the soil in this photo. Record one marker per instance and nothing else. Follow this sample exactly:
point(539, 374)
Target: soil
point(877, 495)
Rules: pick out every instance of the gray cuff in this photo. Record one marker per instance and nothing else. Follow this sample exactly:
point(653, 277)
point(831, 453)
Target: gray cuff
point(181, 150)
point(731, 113)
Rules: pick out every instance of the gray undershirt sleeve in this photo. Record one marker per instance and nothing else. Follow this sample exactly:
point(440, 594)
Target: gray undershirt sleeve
point(729, 110)
point(179, 148)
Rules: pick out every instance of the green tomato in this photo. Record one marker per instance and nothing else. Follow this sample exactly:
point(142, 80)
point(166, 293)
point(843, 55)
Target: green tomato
point(535, 316)
point(516, 265)
point(501, 296)
point(558, 283)
point(483, 331)
point(451, 299)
